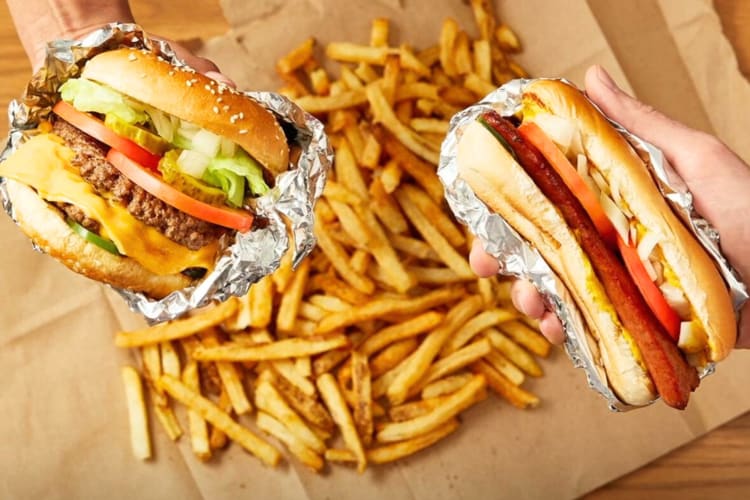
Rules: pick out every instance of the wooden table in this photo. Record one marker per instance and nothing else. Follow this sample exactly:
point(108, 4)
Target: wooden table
point(716, 465)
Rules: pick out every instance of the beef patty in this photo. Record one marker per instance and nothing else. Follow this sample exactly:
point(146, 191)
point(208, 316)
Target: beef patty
point(91, 161)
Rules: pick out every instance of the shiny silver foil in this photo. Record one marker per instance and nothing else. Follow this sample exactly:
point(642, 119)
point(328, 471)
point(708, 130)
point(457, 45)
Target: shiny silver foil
point(518, 258)
point(287, 209)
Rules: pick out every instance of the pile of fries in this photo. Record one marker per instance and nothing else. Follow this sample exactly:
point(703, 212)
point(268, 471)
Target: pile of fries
point(383, 333)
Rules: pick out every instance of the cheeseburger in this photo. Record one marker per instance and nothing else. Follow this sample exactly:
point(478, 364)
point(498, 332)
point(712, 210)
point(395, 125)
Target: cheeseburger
point(141, 170)
point(652, 299)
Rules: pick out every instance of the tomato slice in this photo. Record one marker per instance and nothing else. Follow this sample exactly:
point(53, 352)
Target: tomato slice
point(650, 292)
point(226, 217)
point(96, 129)
point(570, 176)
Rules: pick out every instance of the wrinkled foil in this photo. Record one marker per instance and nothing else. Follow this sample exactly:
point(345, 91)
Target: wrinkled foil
point(287, 209)
point(520, 259)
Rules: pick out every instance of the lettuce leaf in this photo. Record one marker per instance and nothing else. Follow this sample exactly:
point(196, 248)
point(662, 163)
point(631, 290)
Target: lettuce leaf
point(231, 174)
point(89, 96)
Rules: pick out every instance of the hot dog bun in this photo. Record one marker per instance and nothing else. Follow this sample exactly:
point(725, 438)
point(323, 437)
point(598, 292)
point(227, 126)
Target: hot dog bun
point(505, 186)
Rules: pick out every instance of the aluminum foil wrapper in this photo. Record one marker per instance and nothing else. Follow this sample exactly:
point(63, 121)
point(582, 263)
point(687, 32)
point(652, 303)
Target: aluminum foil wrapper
point(520, 259)
point(287, 209)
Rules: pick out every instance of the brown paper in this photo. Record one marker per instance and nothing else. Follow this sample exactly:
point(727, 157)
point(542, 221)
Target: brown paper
point(64, 426)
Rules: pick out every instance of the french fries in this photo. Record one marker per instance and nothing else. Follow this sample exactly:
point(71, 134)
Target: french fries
point(140, 438)
point(383, 335)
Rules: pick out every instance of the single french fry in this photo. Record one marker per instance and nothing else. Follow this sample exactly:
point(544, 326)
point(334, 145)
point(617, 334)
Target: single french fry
point(404, 111)
point(483, 60)
point(340, 261)
point(517, 354)
point(429, 125)
point(179, 328)
point(360, 261)
point(311, 311)
point(383, 113)
point(415, 409)
point(365, 73)
point(196, 423)
point(484, 18)
point(435, 275)
point(487, 291)
point(336, 192)
point(348, 173)
point(446, 385)
point(317, 104)
point(507, 39)
point(482, 321)
point(273, 427)
point(292, 297)
point(285, 368)
point(462, 54)
point(379, 308)
point(268, 399)
point(319, 81)
point(296, 57)
point(282, 349)
point(437, 241)
point(151, 358)
point(362, 389)
point(217, 439)
point(350, 79)
point(477, 85)
point(398, 450)
point(437, 216)
point(504, 367)
point(515, 395)
point(168, 421)
point(329, 303)
point(452, 406)
point(140, 438)
point(525, 336)
point(421, 171)
point(417, 90)
point(430, 347)
point(210, 412)
point(329, 391)
point(453, 363)
point(393, 333)
point(340, 455)
point(379, 32)
point(448, 35)
point(392, 356)
point(371, 152)
point(303, 366)
point(410, 61)
point(352, 52)
point(430, 55)
point(170, 360)
point(390, 176)
point(305, 405)
point(413, 247)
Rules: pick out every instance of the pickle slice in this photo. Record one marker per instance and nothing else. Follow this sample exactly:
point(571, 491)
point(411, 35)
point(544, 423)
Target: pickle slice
point(147, 140)
point(195, 188)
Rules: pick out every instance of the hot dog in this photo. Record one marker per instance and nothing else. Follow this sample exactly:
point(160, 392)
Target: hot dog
point(588, 222)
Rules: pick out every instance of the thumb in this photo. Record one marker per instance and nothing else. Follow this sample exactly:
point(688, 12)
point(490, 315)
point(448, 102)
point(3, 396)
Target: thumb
point(641, 119)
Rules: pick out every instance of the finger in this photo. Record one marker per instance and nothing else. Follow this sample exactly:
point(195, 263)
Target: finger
point(527, 299)
point(552, 328)
point(215, 75)
point(482, 263)
point(668, 135)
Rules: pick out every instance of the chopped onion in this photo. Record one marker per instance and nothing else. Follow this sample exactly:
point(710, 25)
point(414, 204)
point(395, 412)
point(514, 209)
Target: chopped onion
point(692, 337)
point(647, 244)
point(600, 181)
point(193, 163)
point(583, 171)
point(649, 269)
point(228, 148)
point(207, 143)
point(558, 129)
point(617, 218)
point(676, 299)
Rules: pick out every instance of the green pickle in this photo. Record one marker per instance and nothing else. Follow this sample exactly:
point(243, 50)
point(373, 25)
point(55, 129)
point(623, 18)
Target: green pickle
point(195, 188)
point(94, 238)
point(147, 140)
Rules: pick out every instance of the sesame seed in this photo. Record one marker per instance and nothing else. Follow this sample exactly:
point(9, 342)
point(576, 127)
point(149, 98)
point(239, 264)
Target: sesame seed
point(171, 73)
point(207, 87)
point(243, 131)
point(216, 110)
point(189, 83)
point(219, 99)
point(132, 57)
point(242, 115)
point(225, 107)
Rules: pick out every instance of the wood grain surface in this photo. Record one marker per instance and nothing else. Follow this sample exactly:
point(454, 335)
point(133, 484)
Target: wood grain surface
point(714, 466)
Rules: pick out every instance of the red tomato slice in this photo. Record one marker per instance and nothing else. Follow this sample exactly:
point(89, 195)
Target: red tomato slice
point(96, 129)
point(570, 176)
point(651, 293)
point(226, 217)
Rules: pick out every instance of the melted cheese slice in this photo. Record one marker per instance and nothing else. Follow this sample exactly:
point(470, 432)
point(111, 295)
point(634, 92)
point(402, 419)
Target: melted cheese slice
point(43, 163)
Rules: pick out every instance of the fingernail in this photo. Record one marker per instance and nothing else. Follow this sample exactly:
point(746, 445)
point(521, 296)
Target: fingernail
point(604, 77)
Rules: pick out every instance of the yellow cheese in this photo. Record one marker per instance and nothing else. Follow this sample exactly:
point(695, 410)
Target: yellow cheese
point(43, 163)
